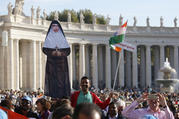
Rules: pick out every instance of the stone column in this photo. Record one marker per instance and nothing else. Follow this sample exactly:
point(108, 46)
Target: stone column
point(11, 66)
point(176, 59)
point(33, 70)
point(72, 65)
point(108, 67)
point(142, 67)
point(121, 69)
point(20, 74)
point(156, 62)
point(171, 56)
point(82, 61)
point(95, 65)
point(148, 66)
point(2, 56)
point(134, 69)
point(87, 58)
point(100, 67)
point(40, 64)
point(128, 69)
point(17, 65)
point(162, 55)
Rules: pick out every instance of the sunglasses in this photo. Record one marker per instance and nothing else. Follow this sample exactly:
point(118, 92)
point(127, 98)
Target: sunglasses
point(25, 102)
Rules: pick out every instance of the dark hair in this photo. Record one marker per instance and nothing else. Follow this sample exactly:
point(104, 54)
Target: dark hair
point(58, 103)
point(61, 102)
point(87, 109)
point(113, 103)
point(6, 104)
point(84, 78)
point(45, 104)
point(63, 110)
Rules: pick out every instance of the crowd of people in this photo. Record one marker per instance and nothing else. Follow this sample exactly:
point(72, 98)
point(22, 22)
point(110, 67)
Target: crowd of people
point(93, 104)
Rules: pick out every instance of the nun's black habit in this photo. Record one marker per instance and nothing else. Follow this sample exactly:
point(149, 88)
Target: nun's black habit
point(57, 84)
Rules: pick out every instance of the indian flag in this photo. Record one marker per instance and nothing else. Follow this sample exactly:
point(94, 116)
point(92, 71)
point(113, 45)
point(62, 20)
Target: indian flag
point(118, 37)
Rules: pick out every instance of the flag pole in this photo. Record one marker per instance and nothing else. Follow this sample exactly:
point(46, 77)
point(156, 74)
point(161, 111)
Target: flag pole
point(119, 61)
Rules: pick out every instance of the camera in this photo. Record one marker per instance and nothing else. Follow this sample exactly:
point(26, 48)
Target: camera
point(152, 96)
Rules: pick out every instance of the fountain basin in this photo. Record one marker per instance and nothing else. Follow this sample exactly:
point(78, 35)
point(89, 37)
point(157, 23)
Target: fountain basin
point(168, 85)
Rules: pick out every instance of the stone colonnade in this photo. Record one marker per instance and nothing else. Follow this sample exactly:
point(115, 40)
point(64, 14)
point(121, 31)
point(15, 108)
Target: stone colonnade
point(24, 64)
point(137, 69)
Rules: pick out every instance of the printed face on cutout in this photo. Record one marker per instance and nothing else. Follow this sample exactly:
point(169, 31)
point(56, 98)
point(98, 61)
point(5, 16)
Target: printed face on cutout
point(55, 27)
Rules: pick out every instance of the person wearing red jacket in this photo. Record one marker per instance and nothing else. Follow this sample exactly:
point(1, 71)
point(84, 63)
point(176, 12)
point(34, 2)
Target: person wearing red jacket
point(86, 96)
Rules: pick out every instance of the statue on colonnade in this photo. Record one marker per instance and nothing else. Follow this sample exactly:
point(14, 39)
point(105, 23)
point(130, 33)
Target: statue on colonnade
point(148, 22)
point(56, 15)
point(32, 12)
point(108, 20)
point(161, 21)
point(175, 22)
point(9, 6)
point(38, 12)
point(135, 21)
point(44, 14)
point(120, 20)
point(18, 10)
point(81, 18)
point(69, 16)
point(94, 19)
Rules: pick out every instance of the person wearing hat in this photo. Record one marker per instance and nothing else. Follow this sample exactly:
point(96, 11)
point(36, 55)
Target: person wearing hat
point(25, 108)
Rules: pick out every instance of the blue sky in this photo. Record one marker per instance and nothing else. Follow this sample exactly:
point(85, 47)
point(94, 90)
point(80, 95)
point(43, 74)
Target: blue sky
point(169, 9)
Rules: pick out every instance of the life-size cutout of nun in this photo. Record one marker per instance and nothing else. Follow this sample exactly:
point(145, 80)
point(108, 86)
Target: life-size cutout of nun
point(56, 47)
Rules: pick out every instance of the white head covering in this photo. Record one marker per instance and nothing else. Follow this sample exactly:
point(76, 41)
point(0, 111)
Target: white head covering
point(56, 39)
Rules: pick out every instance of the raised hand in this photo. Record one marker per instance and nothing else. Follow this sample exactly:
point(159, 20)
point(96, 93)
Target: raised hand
point(162, 99)
point(58, 53)
point(53, 53)
point(142, 98)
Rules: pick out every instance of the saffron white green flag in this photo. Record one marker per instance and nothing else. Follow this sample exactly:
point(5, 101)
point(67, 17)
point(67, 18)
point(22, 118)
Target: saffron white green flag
point(126, 46)
point(117, 41)
point(118, 38)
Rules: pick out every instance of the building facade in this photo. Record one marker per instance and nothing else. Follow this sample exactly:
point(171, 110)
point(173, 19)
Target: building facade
point(23, 62)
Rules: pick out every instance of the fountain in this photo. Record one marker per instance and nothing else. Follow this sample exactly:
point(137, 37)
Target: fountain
point(167, 81)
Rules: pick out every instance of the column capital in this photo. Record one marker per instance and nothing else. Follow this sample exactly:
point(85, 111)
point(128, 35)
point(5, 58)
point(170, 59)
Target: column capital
point(95, 44)
point(16, 39)
point(107, 46)
point(83, 44)
point(175, 46)
point(70, 43)
point(33, 41)
point(148, 46)
point(162, 45)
